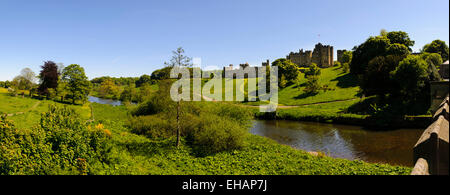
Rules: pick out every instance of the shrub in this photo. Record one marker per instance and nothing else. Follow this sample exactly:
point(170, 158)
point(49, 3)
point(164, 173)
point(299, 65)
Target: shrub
point(151, 126)
point(54, 147)
point(214, 134)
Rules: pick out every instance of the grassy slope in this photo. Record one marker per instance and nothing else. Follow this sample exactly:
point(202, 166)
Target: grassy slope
point(134, 154)
point(31, 116)
point(344, 85)
point(139, 155)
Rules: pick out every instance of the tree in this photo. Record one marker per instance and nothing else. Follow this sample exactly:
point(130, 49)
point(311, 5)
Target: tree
point(373, 47)
point(313, 70)
point(161, 74)
point(143, 79)
point(287, 69)
point(376, 80)
point(109, 88)
point(434, 62)
point(77, 82)
point(62, 90)
point(49, 77)
point(312, 84)
point(437, 46)
point(411, 77)
point(401, 38)
point(129, 94)
point(179, 60)
point(347, 57)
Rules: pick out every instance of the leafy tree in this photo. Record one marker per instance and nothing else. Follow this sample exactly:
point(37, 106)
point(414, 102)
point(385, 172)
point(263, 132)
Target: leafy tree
point(401, 38)
point(437, 46)
point(161, 74)
point(287, 69)
point(376, 80)
point(398, 49)
point(347, 57)
point(109, 89)
point(411, 77)
point(143, 79)
point(62, 90)
point(49, 77)
point(129, 94)
point(434, 62)
point(313, 70)
point(312, 84)
point(373, 47)
point(77, 82)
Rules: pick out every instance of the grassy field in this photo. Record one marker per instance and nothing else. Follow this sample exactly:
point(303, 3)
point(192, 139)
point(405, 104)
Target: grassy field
point(27, 111)
point(139, 155)
point(344, 87)
point(261, 156)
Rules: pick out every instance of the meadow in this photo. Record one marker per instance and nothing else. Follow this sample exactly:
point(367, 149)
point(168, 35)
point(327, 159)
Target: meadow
point(135, 154)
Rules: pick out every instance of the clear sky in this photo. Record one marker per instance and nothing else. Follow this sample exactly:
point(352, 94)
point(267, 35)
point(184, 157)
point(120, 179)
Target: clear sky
point(131, 38)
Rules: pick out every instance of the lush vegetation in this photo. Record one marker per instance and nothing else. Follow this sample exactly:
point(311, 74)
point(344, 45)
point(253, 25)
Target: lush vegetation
point(110, 145)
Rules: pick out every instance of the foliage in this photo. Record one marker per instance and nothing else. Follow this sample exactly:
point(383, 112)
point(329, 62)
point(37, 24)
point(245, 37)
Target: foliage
point(144, 79)
point(400, 38)
point(313, 70)
point(49, 77)
point(54, 147)
point(347, 57)
point(161, 74)
point(377, 79)
point(108, 89)
point(437, 46)
point(312, 85)
point(287, 69)
point(364, 53)
point(77, 82)
point(411, 77)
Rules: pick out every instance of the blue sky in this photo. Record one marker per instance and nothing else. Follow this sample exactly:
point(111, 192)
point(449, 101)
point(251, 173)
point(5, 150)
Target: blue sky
point(131, 38)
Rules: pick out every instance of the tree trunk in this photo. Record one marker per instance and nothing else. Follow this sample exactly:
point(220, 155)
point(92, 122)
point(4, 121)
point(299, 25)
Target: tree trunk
point(178, 122)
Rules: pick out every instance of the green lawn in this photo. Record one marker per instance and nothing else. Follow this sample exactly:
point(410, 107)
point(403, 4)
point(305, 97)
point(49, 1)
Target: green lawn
point(30, 116)
point(136, 154)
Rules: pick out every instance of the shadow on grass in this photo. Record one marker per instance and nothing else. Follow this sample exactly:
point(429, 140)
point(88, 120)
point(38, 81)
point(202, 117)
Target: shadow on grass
point(305, 95)
point(346, 81)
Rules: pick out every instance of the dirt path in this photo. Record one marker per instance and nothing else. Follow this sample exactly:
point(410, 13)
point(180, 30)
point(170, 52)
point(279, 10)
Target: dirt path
point(28, 110)
point(281, 107)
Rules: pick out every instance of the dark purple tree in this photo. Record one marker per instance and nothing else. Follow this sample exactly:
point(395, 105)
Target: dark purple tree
point(49, 77)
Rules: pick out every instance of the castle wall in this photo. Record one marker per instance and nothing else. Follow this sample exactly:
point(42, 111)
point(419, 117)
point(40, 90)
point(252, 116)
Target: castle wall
point(322, 56)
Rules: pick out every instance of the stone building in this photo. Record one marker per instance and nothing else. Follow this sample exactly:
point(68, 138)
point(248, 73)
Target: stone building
point(444, 70)
point(339, 55)
point(322, 55)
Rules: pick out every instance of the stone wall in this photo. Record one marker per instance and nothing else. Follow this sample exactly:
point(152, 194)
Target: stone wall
point(339, 55)
point(431, 152)
point(323, 56)
point(444, 70)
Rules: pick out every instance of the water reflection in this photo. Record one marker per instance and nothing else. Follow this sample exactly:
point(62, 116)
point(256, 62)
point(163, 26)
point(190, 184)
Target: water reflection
point(343, 141)
point(104, 101)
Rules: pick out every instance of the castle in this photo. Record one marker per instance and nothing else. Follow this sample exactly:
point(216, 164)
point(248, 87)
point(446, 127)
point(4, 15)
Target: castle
point(322, 56)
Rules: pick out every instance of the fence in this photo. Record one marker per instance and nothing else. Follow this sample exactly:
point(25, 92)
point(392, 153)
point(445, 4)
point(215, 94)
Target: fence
point(432, 150)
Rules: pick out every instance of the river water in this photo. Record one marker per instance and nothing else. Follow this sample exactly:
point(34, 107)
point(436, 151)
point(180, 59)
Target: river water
point(104, 101)
point(393, 147)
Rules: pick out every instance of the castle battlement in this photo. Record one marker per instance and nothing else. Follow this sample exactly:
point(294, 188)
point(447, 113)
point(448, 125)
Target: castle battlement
point(322, 56)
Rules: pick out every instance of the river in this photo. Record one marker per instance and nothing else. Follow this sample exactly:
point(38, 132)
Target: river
point(393, 147)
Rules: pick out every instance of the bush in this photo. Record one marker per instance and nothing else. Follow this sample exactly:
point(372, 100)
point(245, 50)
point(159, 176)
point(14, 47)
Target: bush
point(61, 144)
point(214, 134)
point(151, 126)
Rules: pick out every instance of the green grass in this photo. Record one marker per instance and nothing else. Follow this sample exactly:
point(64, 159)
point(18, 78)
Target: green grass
point(344, 84)
point(31, 116)
point(137, 154)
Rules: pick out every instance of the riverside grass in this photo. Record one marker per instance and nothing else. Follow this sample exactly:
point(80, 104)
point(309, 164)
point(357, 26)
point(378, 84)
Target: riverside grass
point(138, 155)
